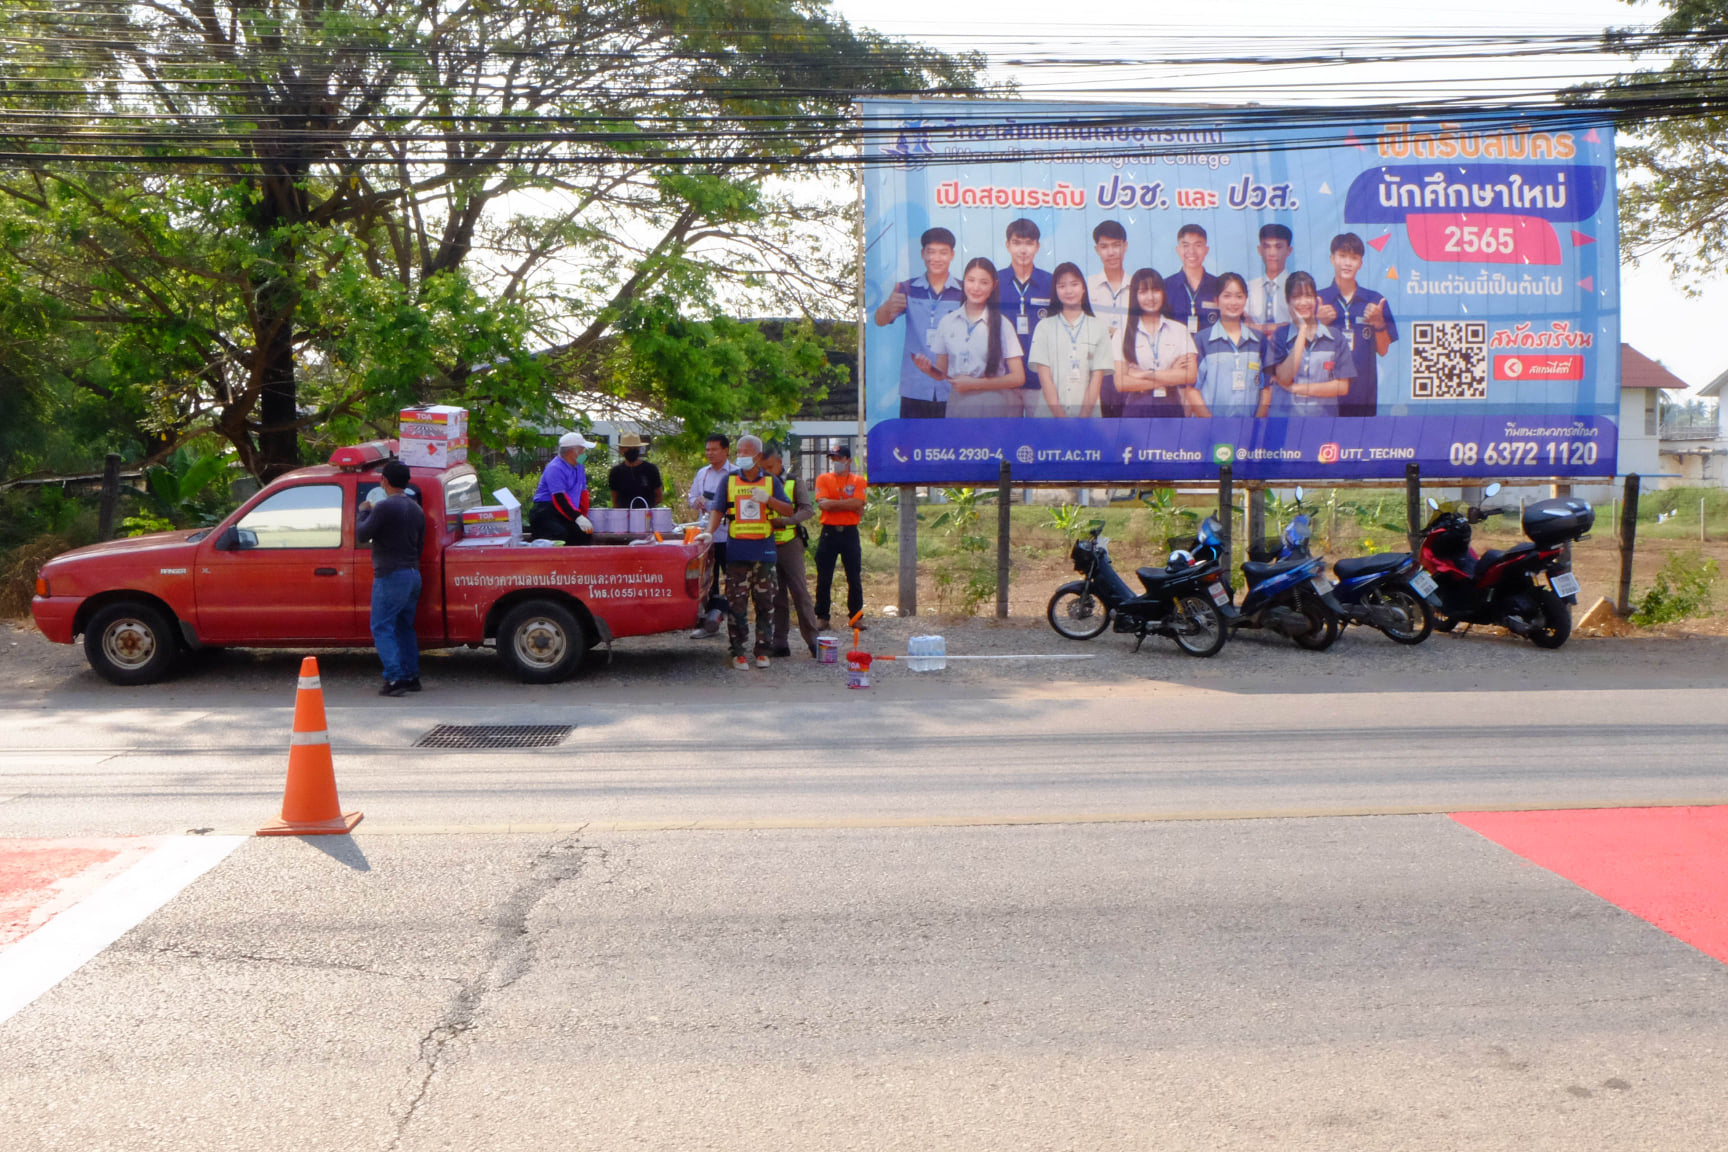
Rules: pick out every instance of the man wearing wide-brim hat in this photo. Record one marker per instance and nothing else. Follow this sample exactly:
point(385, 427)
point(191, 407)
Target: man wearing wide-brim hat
point(560, 508)
point(634, 478)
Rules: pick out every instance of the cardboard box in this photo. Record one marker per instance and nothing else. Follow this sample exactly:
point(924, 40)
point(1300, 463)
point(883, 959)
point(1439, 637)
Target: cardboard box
point(501, 521)
point(433, 422)
point(432, 453)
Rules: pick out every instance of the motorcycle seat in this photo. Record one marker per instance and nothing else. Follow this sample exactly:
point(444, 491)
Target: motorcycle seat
point(1363, 565)
point(1151, 578)
point(1254, 572)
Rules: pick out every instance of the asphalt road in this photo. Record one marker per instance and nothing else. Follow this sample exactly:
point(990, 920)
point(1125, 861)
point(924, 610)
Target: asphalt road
point(1010, 911)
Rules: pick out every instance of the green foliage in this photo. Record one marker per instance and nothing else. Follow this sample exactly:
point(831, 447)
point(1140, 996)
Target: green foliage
point(1682, 590)
point(1167, 517)
point(180, 490)
point(1070, 520)
point(964, 505)
point(144, 524)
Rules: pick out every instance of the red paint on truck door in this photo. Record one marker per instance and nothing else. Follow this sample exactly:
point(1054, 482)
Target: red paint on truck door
point(291, 577)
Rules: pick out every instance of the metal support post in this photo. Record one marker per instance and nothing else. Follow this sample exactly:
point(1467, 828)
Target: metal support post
point(1413, 503)
point(1628, 542)
point(1002, 540)
point(1226, 513)
point(908, 550)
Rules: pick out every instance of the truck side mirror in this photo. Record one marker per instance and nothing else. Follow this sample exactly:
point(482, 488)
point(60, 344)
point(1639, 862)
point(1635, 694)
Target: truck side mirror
point(236, 540)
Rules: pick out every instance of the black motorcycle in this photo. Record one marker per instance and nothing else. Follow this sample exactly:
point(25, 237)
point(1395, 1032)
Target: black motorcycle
point(1185, 600)
point(1528, 588)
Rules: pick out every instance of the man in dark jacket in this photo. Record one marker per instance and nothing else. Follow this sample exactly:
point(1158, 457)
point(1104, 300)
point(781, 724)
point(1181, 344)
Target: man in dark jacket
point(395, 526)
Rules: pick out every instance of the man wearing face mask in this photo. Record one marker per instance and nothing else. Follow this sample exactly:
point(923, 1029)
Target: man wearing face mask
point(748, 499)
point(560, 507)
point(635, 479)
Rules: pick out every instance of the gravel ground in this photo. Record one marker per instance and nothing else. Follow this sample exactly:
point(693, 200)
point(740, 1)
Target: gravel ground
point(1251, 661)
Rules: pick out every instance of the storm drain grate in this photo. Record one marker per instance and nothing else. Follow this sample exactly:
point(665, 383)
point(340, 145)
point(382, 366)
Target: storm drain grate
point(494, 736)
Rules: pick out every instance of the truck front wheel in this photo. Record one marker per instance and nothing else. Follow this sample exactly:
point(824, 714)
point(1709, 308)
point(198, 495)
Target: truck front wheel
point(541, 641)
point(130, 642)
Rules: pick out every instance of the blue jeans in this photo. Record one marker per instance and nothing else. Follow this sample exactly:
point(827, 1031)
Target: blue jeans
point(394, 596)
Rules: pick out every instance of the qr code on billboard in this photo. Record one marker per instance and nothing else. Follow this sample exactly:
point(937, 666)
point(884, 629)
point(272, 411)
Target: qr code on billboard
point(1449, 360)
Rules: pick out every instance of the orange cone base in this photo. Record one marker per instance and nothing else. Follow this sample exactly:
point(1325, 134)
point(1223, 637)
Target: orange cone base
point(340, 826)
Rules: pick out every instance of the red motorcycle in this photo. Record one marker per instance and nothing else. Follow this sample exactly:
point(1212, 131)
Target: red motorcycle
point(1528, 589)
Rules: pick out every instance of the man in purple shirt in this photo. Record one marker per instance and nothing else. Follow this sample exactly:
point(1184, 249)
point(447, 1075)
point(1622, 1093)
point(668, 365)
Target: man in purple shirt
point(560, 507)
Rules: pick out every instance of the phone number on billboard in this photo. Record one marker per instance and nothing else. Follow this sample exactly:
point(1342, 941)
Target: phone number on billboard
point(926, 454)
point(1523, 453)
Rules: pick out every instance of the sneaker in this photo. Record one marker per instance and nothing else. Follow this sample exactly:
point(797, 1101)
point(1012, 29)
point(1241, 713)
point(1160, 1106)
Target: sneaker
point(783, 652)
point(394, 688)
point(761, 661)
point(740, 663)
point(703, 632)
point(412, 684)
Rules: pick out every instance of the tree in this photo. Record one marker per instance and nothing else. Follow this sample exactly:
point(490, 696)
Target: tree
point(1674, 169)
point(325, 208)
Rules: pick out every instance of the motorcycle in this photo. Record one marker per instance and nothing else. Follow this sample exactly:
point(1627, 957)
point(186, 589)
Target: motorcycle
point(1388, 591)
point(1528, 589)
point(1290, 594)
point(1185, 600)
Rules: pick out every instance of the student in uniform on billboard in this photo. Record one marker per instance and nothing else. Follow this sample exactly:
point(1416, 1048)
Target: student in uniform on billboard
point(1365, 320)
point(1191, 293)
point(923, 300)
point(1266, 303)
point(1108, 292)
point(1070, 350)
point(1305, 360)
point(1025, 295)
point(976, 353)
point(1157, 365)
point(1231, 355)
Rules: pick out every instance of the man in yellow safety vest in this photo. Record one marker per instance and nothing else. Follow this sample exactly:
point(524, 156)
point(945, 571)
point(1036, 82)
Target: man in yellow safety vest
point(747, 503)
point(790, 540)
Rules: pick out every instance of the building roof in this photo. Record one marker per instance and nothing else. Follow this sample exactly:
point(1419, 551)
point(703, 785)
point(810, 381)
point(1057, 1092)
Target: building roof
point(1714, 388)
point(1639, 371)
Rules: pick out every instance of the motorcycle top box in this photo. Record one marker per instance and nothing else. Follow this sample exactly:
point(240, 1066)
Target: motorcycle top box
point(1551, 522)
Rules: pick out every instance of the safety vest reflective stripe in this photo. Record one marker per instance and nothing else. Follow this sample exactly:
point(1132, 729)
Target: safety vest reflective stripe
point(786, 534)
point(748, 498)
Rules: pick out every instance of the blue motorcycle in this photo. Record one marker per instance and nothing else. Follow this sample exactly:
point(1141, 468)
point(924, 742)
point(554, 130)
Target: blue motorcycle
point(1290, 595)
point(1388, 591)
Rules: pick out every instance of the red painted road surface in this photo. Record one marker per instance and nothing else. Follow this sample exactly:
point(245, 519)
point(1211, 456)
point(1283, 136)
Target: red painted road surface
point(39, 878)
point(1665, 865)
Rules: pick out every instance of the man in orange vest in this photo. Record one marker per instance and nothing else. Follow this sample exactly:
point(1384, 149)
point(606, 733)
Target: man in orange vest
point(747, 501)
point(840, 494)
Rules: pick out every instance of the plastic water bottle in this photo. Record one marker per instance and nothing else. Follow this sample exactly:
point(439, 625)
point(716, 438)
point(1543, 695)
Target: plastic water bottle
point(915, 653)
point(938, 654)
point(926, 653)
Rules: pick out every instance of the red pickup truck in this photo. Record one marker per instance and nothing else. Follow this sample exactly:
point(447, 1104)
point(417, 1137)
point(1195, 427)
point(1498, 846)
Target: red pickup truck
point(284, 572)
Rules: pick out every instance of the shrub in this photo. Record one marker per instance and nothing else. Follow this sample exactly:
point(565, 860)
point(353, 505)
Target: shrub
point(1681, 590)
point(18, 569)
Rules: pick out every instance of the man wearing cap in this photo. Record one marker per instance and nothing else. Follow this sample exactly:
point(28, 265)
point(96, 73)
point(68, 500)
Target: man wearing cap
point(840, 494)
point(790, 538)
point(705, 494)
point(634, 479)
point(747, 502)
point(560, 508)
point(395, 526)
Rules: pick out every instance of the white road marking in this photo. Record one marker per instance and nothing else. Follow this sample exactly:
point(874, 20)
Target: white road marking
point(79, 934)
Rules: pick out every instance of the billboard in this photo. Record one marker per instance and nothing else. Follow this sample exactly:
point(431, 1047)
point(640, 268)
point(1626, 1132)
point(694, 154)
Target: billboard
point(1115, 295)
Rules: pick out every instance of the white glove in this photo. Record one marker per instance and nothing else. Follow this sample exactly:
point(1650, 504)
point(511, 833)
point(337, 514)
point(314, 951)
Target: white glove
point(584, 523)
point(704, 539)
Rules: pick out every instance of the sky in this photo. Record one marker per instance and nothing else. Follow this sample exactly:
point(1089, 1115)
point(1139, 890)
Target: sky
point(1045, 47)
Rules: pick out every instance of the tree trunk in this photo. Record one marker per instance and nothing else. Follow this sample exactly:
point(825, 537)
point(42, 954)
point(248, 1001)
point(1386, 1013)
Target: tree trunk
point(275, 305)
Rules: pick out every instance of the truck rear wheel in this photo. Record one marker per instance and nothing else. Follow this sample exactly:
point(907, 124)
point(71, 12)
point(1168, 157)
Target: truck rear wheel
point(541, 641)
point(130, 642)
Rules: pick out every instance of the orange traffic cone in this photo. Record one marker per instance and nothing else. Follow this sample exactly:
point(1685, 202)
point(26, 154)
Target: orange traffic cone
point(309, 803)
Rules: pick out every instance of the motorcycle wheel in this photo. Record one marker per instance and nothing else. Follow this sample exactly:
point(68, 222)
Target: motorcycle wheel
point(1556, 621)
point(1077, 615)
point(1323, 628)
point(1418, 616)
point(1197, 626)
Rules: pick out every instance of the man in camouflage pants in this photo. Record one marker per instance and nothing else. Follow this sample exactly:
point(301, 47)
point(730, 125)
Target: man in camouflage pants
point(747, 500)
